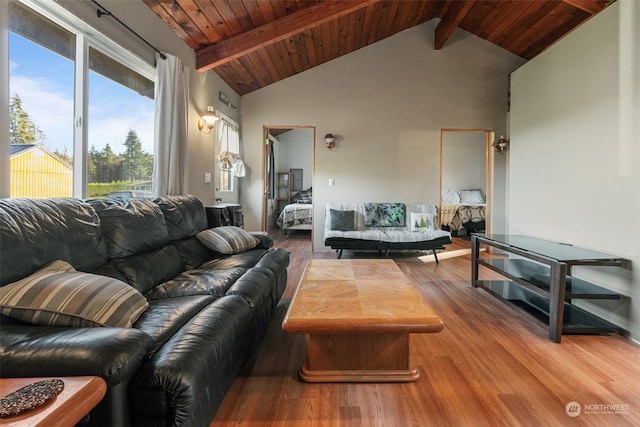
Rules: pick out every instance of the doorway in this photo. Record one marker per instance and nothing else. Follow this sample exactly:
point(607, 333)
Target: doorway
point(465, 180)
point(288, 173)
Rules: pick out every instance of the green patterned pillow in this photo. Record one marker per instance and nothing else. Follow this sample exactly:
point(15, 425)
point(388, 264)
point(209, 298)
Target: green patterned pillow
point(227, 239)
point(57, 295)
point(384, 215)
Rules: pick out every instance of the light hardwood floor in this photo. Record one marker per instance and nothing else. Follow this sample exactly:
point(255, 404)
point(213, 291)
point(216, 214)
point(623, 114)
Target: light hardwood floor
point(491, 366)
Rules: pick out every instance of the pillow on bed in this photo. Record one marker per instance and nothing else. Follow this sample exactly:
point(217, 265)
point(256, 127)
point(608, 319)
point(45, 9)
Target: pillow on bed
point(472, 197)
point(227, 239)
point(450, 196)
point(303, 197)
point(58, 295)
point(342, 220)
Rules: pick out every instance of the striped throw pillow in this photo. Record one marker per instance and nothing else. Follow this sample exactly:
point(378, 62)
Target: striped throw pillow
point(227, 239)
point(57, 295)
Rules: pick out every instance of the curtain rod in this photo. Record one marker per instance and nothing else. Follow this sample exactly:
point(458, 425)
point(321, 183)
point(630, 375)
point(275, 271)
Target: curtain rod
point(231, 125)
point(102, 11)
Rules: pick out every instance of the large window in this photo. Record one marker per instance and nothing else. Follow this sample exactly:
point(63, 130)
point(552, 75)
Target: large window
point(80, 124)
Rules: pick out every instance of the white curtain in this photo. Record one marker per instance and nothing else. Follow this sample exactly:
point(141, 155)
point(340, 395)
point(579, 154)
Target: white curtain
point(229, 148)
point(170, 124)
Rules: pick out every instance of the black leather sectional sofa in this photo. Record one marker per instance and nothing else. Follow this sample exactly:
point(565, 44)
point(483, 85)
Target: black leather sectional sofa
point(206, 313)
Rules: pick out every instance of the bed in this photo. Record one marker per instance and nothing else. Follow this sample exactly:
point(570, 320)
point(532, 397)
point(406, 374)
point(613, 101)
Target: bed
point(463, 211)
point(299, 214)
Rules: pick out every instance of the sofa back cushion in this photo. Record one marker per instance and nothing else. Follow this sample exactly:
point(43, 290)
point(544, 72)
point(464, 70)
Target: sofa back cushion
point(192, 252)
point(185, 215)
point(35, 232)
point(145, 270)
point(131, 226)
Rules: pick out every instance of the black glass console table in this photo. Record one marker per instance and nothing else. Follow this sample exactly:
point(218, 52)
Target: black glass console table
point(540, 281)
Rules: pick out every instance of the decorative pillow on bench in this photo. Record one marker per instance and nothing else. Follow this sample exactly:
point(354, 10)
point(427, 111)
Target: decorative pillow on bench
point(342, 220)
point(384, 215)
point(422, 221)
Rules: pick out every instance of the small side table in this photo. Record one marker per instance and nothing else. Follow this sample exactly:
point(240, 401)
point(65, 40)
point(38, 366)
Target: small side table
point(224, 214)
point(80, 395)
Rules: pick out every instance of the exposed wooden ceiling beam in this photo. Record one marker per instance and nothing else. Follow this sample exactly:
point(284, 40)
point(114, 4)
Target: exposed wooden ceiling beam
point(228, 50)
point(453, 16)
point(589, 6)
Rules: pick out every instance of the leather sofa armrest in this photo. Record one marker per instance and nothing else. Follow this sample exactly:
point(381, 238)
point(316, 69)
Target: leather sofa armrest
point(114, 354)
point(265, 241)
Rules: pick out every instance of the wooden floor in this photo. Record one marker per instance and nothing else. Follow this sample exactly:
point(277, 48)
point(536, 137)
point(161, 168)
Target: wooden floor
point(491, 366)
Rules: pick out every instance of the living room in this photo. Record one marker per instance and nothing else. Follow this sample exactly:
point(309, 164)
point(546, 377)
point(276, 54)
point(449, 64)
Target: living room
point(569, 115)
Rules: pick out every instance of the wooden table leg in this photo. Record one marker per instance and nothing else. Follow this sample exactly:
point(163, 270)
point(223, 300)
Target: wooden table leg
point(382, 357)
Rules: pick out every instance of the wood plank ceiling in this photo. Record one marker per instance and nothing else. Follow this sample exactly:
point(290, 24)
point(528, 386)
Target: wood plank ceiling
point(253, 43)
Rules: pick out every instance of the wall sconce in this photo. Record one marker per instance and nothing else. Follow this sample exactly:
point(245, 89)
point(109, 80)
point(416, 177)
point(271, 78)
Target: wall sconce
point(501, 144)
point(330, 141)
point(207, 121)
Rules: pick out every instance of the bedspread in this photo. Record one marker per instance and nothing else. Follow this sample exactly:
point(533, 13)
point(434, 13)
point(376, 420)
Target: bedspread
point(455, 215)
point(295, 214)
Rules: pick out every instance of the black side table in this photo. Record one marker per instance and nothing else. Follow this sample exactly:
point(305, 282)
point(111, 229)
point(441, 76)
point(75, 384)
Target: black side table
point(225, 214)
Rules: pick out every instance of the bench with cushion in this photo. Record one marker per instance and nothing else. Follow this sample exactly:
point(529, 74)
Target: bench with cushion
point(383, 227)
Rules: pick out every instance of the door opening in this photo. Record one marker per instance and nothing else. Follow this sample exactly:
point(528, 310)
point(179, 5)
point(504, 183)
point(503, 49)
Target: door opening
point(465, 181)
point(288, 173)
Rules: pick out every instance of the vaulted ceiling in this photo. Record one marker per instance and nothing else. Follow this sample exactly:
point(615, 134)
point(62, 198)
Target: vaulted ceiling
point(253, 43)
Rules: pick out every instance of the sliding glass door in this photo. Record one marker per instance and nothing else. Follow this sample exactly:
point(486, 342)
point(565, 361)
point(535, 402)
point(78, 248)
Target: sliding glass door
point(81, 111)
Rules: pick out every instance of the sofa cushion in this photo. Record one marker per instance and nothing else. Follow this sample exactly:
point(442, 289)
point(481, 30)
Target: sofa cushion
point(192, 251)
point(197, 282)
point(384, 214)
point(131, 226)
point(57, 295)
point(166, 316)
point(342, 220)
point(185, 215)
point(245, 260)
point(145, 270)
point(227, 239)
point(254, 286)
point(32, 232)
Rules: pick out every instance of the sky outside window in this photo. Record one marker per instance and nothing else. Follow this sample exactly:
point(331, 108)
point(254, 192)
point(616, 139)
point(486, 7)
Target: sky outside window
point(44, 82)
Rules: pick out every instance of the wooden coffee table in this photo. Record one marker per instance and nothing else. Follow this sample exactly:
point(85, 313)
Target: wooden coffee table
point(357, 316)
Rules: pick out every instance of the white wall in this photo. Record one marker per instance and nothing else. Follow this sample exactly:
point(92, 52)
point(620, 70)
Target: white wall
point(386, 103)
point(204, 87)
point(296, 152)
point(574, 160)
point(464, 161)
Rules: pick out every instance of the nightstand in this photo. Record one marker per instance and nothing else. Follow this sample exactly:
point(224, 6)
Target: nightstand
point(224, 214)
